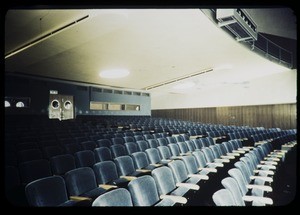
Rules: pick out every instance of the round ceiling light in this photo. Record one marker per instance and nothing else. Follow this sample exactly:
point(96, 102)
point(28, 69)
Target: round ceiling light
point(114, 73)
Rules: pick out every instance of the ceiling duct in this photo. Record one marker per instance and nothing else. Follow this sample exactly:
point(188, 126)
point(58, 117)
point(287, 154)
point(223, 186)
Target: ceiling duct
point(238, 22)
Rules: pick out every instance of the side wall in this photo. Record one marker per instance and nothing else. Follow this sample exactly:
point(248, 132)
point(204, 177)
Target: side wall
point(282, 116)
point(38, 90)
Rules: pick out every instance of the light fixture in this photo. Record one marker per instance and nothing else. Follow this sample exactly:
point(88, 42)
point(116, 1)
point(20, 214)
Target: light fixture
point(114, 73)
point(184, 85)
point(44, 37)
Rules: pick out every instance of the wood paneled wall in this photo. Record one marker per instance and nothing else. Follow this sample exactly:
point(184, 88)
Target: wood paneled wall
point(282, 116)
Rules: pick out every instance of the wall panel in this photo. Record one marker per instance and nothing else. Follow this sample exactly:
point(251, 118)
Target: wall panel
point(282, 116)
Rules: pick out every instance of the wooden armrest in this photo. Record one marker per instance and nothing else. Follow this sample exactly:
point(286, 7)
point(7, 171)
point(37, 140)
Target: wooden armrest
point(188, 185)
point(80, 198)
point(261, 187)
point(178, 199)
point(107, 186)
point(156, 164)
point(143, 170)
point(202, 177)
point(129, 178)
point(258, 198)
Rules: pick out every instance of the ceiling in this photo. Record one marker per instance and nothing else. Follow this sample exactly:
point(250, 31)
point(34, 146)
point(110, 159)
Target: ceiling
point(155, 45)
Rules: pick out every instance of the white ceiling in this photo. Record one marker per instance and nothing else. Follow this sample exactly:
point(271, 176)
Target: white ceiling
point(155, 45)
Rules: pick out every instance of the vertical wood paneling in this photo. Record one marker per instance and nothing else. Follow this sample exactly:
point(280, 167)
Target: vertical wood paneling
point(282, 116)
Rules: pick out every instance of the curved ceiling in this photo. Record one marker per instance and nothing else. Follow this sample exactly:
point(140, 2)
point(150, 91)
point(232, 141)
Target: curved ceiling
point(155, 45)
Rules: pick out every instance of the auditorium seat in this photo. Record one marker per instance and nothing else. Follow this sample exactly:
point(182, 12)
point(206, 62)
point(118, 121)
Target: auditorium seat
point(224, 197)
point(51, 151)
point(120, 197)
point(125, 167)
point(166, 185)
point(142, 145)
point(102, 154)
point(131, 147)
point(29, 155)
point(155, 158)
point(153, 143)
point(107, 174)
point(104, 143)
point(118, 150)
point(82, 182)
point(146, 185)
point(60, 164)
point(50, 192)
point(84, 158)
point(88, 145)
point(141, 162)
point(32, 170)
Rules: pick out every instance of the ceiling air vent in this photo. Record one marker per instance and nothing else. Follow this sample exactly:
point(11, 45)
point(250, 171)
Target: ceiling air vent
point(238, 22)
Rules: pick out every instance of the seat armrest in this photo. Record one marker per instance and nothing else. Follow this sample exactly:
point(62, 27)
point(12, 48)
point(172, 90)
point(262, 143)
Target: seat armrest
point(239, 151)
point(265, 200)
point(177, 199)
point(233, 154)
point(216, 164)
point(129, 178)
point(156, 164)
point(269, 172)
point(202, 177)
point(261, 187)
point(143, 170)
point(107, 186)
point(80, 198)
point(220, 160)
point(208, 169)
point(267, 179)
point(227, 157)
point(268, 166)
point(188, 185)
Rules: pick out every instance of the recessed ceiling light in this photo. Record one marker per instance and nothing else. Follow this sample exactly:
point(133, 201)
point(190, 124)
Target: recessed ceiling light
point(114, 73)
point(184, 85)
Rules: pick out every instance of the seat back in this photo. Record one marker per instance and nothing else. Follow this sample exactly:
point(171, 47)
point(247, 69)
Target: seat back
point(120, 197)
point(85, 158)
point(104, 143)
point(118, 150)
point(223, 197)
point(129, 139)
point(200, 158)
point(61, 164)
point(50, 151)
point(102, 154)
point(164, 152)
point(32, 170)
point(125, 165)
point(174, 148)
point(131, 147)
point(142, 145)
point(80, 181)
point(153, 155)
point(162, 141)
point(49, 191)
point(179, 170)
point(117, 140)
point(88, 145)
point(238, 176)
point(141, 186)
point(153, 143)
point(140, 160)
point(164, 179)
point(231, 184)
point(183, 147)
point(190, 164)
point(29, 155)
point(105, 171)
